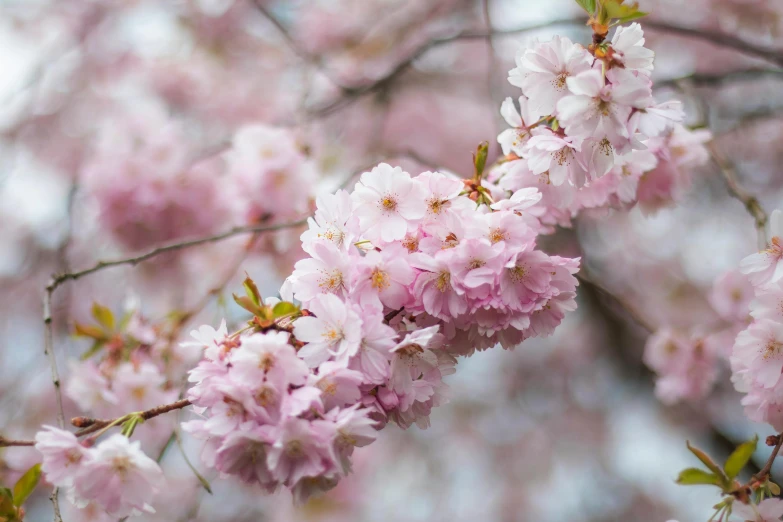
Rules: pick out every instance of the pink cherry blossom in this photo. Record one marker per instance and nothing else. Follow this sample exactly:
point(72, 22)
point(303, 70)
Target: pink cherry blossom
point(542, 71)
point(64, 457)
point(333, 331)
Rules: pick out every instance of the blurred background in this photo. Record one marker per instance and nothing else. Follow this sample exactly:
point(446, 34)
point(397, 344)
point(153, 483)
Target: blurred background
point(113, 118)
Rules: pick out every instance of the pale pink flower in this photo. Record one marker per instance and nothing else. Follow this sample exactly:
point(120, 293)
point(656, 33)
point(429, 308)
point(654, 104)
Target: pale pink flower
point(334, 331)
point(629, 50)
point(557, 155)
point(731, 296)
point(514, 139)
point(766, 266)
point(759, 348)
point(435, 288)
point(373, 357)
point(658, 118)
point(243, 454)
point(386, 200)
point(769, 510)
point(334, 222)
point(441, 192)
point(476, 266)
point(383, 277)
point(596, 105)
point(267, 355)
point(412, 357)
point(120, 477)
point(300, 449)
point(209, 339)
point(338, 384)
point(89, 388)
point(520, 200)
point(64, 457)
point(525, 277)
point(354, 428)
point(768, 303)
point(542, 72)
point(327, 272)
point(141, 386)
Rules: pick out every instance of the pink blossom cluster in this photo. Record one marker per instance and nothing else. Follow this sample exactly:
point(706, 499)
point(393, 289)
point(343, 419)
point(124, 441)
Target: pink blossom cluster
point(405, 273)
point(757, 357)
point(115, 474)
point(588, 132)
point(153, 182)
point(132, 368)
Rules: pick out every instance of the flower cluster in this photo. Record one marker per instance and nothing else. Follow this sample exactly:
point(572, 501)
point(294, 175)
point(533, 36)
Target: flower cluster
point(757, 357)
point(153, 183)
point(115, 474)
point(131, 365)
point(588, 132)
point(405, 273)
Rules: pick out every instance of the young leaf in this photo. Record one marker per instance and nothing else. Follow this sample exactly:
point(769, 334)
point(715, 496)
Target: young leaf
point(103, 315)
point(773, 488)
point(95, 348)
point(252, 291)
point(618, 9)
point(706, 460)
point(284, 308)
point(695, 476)
point(740, 456)
point(88, 330)
point(587, 5)
point(631, 17)
point(26, 484)
point(480, 158)
point(248, 304)
point(7, 503)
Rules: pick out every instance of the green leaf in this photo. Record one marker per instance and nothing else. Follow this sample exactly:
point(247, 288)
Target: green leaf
point(252, 291)
point(740, 457)
point(95, 348)
point(773, 488)
point(695, 476)
point(587, 5)
point(26, 484)
point(248, 304)
point(284, 308)
point(103, 315)
point(480, 158)
point(7, 508)
point(634, 16)
point(706, 460)
point(88, 330)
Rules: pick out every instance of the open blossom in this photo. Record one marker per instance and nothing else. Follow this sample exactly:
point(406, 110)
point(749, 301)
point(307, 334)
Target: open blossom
point(768, 510)
point(514, 139)
point(441, 193)
point(603, 105)
point(268, 356)
point(383, 278)
point(334, 222)
point(63, 455)
point(542, 71)
point(558, 156)
point(338, 384)
point(300, 449)
point(333, 331)
point(760, 350)
point(413, 356)
point(120, 477)
point(326, 272)
point(731, 296)
point(765, 266)
point(629, 49)
point(385, 200)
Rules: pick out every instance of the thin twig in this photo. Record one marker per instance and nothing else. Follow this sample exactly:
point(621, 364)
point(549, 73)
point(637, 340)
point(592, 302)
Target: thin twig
point(736, 190)
point(5, 443)
point(59, 279)
point(625, 305)
point(764, 473)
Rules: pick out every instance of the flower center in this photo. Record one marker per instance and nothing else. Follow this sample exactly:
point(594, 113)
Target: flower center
point(267, 362)
point(294, 449)
point(411, 350)
point(476, 263)
point(265, 396)
point(560, 81)
point(411, 243)
point(121, 465)
point(772, 349)
point(379, 279)
point(605, 147)
point(388, 203)
point(517, 273)
point(436, 205)
point(328, 387)
point(496, 235)
point(443, 281)
point(562, 156)
point(333, 335)
point(331, 280)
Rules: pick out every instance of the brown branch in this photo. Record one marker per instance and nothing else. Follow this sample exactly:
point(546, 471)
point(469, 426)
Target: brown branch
point(629, 309)
point(736, 190)
point(91, 425)
point(353, 93)
point(59, 279)
point(762, 475)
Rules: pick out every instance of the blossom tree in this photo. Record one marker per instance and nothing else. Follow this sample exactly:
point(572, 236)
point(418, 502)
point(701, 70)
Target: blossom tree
point(370, 290)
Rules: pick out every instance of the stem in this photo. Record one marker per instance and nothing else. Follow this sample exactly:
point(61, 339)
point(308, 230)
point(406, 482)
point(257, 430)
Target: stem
point(762, 475)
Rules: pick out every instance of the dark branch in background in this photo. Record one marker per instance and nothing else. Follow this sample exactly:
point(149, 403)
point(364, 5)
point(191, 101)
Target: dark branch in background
point(352, 94)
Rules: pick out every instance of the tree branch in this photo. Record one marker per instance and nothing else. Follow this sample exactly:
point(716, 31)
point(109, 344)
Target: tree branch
point(736, 190)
